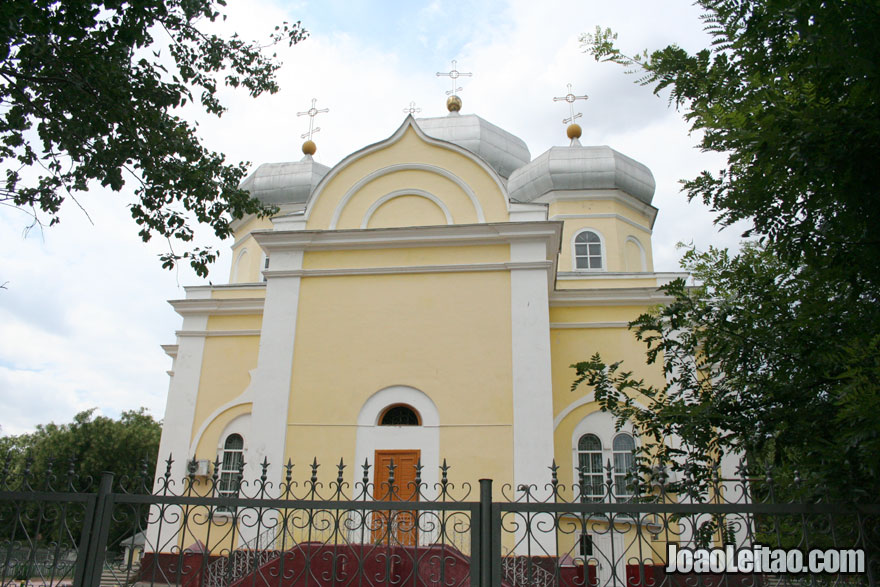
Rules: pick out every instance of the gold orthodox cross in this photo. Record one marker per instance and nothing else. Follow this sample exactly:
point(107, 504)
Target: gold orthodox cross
point(570, 98)
point(312, 113)
point(454, 74)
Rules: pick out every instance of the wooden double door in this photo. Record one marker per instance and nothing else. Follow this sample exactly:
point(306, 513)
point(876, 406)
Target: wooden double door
point(395, 526)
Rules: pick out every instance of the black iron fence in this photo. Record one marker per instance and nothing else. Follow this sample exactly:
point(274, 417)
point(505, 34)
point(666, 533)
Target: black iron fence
point(208, 531)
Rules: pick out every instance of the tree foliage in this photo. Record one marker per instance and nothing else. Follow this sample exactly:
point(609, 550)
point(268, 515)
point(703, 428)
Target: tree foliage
point(90, 444)
point(71, 458)
point(776, 353)
point(790, 91)
point(760, 360)
point(89, 95)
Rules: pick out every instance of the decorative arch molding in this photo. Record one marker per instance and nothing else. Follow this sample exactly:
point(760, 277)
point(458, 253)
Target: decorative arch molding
point(236, 271)
point(425, 438)
point(478, 208)
point(376, 404)
point(602, 424)
point(582, 401)
point(409, 123)
point(246, 398)
point(240, 425)
point(602, 427)
point(642, 255)
point(409, 192)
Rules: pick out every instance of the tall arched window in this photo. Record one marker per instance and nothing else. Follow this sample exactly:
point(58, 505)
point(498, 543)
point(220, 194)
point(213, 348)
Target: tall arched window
point(590, 467)
point(623, 448)
point(587, 250)
point(231, 468)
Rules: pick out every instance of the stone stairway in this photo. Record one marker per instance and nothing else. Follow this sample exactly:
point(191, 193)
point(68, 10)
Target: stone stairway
point(119, 574)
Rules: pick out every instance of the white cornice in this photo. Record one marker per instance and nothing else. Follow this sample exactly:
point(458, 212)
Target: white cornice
point(407, 269)
point(615, 195)
point(170, 350)
point(582, 325)
point(412, 236)
point(608, 297)
point(602, 215)
point(284, 210)
point(212, 333)
point(660, 277)
point(213, 307)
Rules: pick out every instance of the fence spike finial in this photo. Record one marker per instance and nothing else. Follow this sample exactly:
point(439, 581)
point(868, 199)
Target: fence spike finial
point(288, 471)
point(191, 467)
point(314, 477)
point(340, 468)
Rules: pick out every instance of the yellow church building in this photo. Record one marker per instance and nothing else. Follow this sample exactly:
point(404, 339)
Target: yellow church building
point(422, 300)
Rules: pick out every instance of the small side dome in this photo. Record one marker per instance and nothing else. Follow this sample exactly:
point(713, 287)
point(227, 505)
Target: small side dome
point(581, 168)
point(285, 183)
point(497, 147)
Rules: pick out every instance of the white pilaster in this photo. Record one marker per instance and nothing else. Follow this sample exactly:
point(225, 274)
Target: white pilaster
point(271, 379)
point(177, 426)
point(532, 384)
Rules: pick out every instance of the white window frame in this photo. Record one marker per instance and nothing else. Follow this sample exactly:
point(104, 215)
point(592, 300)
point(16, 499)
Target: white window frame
point(239, 471)
point(264, 266)
point(602, 425)
point(589, 478)
point(602, 255)
point(241, 426)
point(618, 477)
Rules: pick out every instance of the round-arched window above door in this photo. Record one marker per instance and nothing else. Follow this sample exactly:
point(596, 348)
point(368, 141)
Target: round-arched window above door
point(399, 415)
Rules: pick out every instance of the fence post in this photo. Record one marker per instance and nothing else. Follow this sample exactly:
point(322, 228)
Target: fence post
point(485, 561)
point(100, 528)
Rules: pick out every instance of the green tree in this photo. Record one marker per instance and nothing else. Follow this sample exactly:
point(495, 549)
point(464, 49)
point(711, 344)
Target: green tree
point(93, 444)
point(789, 91)
point(762, 360)
point(776, 353)
point(90, 93)
point(72, 457)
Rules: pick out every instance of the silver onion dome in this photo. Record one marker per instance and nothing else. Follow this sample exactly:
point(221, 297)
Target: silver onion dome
point(581, 168)
point(285, 183)
point(503, 151)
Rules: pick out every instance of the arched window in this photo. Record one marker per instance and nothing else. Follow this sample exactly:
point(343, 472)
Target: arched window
point(231, 468)
point(623, 449)
point(399, 416)
point(587, 250)
point(590, 467)
point(265, 267)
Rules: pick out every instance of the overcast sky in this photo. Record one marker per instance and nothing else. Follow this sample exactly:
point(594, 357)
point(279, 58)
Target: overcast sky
point(85, 311)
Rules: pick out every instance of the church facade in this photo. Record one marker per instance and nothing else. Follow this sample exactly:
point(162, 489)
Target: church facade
point(422, 300)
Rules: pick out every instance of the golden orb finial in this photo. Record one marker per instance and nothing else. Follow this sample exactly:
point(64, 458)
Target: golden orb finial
point(573, 131)
point(453, 103)
point(309, 147)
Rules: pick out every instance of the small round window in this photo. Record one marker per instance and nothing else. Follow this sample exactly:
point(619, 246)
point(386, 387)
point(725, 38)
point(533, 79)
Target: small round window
point(399, 416)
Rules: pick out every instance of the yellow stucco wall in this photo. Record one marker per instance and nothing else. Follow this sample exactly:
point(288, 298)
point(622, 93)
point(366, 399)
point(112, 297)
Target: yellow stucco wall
point(225, 373)
point(609, 219)
point(357, 335)
point(572, 345)
point(246, 253)
point(406, 257)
